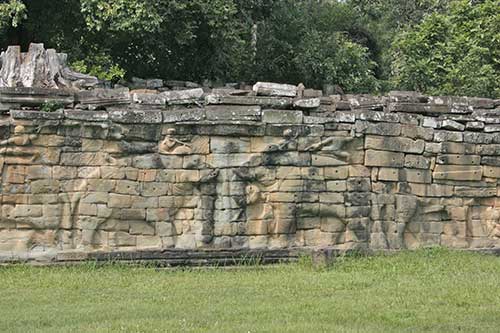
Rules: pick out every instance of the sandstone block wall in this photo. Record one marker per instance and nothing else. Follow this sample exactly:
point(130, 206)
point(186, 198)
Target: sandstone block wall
point(229, 168)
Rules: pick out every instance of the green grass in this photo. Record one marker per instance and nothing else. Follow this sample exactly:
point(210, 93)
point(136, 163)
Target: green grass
point(432, 290)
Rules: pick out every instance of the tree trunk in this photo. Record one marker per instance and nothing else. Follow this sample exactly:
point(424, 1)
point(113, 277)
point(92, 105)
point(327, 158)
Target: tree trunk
point(40, 68)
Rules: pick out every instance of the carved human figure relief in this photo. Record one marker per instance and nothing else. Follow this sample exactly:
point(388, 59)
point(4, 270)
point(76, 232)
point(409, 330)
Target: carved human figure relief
point(289, 142)
point(172, 146)
point(15, 146)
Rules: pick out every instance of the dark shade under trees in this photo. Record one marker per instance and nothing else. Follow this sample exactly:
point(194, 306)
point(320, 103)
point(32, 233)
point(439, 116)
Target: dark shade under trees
point(435, 46)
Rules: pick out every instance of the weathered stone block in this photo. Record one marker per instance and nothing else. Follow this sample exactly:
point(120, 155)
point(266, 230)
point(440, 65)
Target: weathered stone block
point(136, 116)
point(383, 158)
point(310, 103)
point(458, 172)
point(378, 128)
point(275, 89)
point(417, 162)
point(394, 144)
point(282, 116)
point(459, 159)
point(235, 112)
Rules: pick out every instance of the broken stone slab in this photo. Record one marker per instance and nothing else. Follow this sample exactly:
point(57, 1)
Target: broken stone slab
point(448, 100)
point(235, 112)
point(86, 115)
point(458, 172)
point(188, 96)
point(431, 122)
point(474, 125)
point(481, 103)
point(149, 99)
point(275, 89)
point(445, 136)
point(344, 117)
point(102, 97)
point(317, 120)
point(452, 125)
point(492, 128)
point(488, 149)
point(183, 115)
point(378, 116)
point(421, 108)
point(310, 103)
point(368, 102)
point(282, 116)
point(479, 138)
point(32, 115)
point(36, 96)
point(136, 116)
point(407, 97)
point(270, 102)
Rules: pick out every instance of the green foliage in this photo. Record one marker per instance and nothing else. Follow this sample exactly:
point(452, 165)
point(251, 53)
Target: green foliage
point(122, 15)
point(12, 13)
point(315, 43)
point(455, 53)
point(101, 66)
point(51, 106)
point(437, 46)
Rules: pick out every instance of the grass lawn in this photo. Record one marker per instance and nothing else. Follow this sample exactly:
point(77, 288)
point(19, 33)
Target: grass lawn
point(428, 290)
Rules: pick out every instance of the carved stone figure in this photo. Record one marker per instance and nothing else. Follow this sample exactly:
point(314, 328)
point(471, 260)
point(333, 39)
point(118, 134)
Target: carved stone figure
point(172, 146)
point(12, 146)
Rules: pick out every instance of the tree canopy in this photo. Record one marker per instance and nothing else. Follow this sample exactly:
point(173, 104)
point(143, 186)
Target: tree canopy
point(435, 46)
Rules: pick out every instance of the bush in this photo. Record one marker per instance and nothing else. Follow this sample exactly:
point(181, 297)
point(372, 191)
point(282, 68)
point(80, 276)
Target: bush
point(454, 53)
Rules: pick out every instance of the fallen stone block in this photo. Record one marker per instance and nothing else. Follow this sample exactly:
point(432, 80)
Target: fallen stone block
point(275, 89)
point(96, 98)
point(452, 125)
point(311, 103)
point(182, 96)
point(270, 102)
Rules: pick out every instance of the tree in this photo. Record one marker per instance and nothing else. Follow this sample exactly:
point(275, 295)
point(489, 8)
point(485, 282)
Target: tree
point(452, 53)
point(12, 13)
point(315, 43)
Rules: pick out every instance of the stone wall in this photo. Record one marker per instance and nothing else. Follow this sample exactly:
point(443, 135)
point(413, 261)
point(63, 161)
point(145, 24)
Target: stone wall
point(274, 168)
